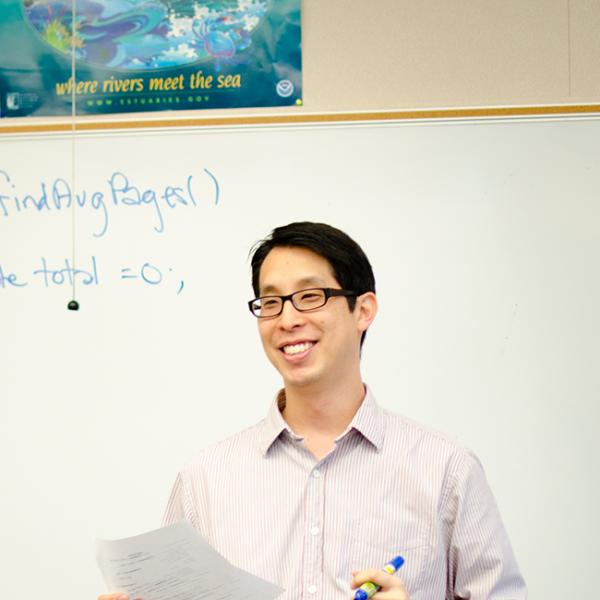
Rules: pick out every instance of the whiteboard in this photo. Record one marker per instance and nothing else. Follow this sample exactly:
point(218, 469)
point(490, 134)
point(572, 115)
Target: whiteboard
point(485, 241)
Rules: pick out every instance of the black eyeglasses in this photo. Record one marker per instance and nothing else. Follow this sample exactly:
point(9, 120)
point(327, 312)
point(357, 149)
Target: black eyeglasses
point(302, 300)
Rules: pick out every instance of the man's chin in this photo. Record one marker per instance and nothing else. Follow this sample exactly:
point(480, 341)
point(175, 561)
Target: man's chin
point(301, 378)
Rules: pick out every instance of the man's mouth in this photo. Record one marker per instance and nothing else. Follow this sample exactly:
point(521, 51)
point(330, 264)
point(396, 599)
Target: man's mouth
point(291, 349)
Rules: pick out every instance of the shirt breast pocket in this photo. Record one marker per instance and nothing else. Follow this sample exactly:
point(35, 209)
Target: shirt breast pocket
point(377, 543)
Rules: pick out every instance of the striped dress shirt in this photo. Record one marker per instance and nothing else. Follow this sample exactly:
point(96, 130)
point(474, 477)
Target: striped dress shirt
point(388, 487)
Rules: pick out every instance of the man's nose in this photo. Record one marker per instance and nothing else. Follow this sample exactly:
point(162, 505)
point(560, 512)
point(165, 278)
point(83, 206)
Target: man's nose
point(290, 316)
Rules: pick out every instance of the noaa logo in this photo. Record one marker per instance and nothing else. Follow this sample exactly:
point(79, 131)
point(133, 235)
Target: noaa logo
point(13, 101)
point(285, 88)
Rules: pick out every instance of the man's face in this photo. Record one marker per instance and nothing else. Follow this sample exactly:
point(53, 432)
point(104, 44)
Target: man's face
point(309, 348)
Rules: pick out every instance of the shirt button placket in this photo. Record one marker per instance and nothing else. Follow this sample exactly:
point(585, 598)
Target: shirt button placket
point(313, 536)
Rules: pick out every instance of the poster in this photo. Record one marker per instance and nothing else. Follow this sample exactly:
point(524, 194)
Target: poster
point(147, 55)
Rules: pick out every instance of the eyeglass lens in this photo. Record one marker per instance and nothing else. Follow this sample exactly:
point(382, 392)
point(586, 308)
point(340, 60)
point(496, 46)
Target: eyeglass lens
point(302, 300)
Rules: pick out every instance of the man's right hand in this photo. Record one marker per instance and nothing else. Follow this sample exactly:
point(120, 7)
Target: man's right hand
point(113, 596)
point(391, 586)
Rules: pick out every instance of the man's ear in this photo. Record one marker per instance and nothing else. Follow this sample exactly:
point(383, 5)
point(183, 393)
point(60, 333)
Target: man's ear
point(365, 310)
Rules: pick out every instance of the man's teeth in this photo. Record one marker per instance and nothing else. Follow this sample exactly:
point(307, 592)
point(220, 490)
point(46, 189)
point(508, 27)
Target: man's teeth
point(297, 348)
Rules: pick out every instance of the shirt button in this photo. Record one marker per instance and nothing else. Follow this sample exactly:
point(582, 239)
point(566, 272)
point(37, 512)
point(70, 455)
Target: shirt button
point(314, 530)
point(312, 589)
point(316, 473)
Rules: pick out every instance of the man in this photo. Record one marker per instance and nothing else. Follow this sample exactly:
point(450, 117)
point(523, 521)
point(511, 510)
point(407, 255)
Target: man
point(329, 487)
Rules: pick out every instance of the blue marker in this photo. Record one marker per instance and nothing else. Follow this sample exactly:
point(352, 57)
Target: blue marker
point(367, 589)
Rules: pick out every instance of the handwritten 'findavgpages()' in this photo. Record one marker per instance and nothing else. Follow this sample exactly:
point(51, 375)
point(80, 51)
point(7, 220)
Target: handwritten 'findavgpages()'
point(56, 194)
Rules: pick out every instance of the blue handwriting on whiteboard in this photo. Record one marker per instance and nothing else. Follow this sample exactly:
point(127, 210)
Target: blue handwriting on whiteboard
point(67, 274)
point(9, 279)
point(148, 273)
point(57, 195)
point(63, 273)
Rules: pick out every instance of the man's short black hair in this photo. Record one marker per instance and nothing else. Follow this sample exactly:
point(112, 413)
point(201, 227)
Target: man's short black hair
point(350, 265)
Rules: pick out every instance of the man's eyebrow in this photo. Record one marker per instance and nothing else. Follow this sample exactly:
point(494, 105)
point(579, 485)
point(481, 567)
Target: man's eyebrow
point(301, 284)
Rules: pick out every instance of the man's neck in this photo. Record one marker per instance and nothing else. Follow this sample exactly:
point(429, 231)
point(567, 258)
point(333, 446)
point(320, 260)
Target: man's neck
point(322, 414)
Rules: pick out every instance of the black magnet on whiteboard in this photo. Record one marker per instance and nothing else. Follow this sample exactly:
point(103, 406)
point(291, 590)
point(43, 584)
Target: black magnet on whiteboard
point(73, 305)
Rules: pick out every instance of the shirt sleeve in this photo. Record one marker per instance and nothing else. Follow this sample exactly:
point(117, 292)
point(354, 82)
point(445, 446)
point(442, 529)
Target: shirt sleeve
point(176, 509)
point(481, 563)
point(189, 501)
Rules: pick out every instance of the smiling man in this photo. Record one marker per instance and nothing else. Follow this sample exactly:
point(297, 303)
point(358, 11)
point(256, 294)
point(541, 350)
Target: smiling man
point(329, 487)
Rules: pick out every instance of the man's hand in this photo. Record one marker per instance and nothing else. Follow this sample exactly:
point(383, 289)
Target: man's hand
point(392, 587)
point(113, 596)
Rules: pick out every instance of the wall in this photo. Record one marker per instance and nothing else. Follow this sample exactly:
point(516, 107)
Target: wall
point(391, 55)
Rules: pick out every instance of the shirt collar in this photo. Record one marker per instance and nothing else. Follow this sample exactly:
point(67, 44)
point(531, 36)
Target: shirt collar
point(369, 421)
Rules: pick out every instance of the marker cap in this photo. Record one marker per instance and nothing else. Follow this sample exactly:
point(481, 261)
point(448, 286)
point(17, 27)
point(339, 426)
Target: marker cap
point(396, 562)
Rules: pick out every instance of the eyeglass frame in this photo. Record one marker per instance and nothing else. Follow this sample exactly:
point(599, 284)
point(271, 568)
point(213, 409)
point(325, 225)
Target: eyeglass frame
point(329, 293)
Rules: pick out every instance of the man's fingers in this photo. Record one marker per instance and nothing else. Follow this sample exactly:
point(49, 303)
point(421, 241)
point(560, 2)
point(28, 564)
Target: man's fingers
point(392, 587)
point(375, 575)
point(113, 596)
point(395, 594)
